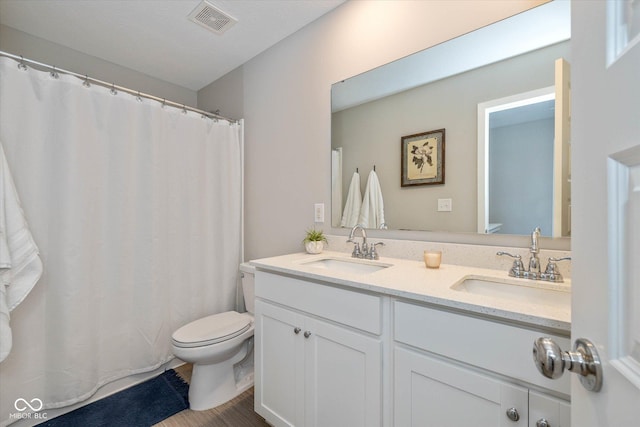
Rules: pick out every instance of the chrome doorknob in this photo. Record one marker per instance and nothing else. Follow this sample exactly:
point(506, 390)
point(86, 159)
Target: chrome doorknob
point(551, 361)
point(548, 358)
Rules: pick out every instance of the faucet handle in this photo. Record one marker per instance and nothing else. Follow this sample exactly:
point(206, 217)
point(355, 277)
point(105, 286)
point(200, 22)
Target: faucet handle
point(551, 273)
point(373, 254)
point(517, 257)
point(356, 249)
point(517, 268)
point(552, 267)
point(567, 258)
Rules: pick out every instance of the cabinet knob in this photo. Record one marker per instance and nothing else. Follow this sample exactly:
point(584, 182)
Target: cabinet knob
point(551, 361)
point(542, 423)
point(512, 414)
point(307, 334)
point(296, 330)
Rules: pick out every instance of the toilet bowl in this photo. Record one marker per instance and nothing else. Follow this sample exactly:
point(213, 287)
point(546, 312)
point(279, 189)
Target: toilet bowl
point(220, 347)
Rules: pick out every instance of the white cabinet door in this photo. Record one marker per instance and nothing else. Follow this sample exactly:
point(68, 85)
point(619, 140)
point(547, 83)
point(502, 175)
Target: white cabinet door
point(343, 371)
point(432, 392)
point(556, 412)
point(312, 373)
point(279, 353)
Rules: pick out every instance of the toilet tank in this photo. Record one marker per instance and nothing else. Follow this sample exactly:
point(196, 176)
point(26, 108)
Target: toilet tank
point(248, 285)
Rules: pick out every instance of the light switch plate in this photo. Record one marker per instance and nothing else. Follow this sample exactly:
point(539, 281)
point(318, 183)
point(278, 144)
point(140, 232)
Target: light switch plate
point(318, 212)
point(444, 205)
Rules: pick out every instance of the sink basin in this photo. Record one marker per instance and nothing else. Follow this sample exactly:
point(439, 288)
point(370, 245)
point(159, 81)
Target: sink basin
point(346, 265)
point(538, 293)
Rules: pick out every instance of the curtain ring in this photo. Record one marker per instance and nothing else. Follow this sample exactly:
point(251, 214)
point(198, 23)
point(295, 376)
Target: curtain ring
point(184, 109)
point(164, 102)
point(86, 83)
point(138, 97)
point(22, 66)
point(113, 89)
point(54, 74)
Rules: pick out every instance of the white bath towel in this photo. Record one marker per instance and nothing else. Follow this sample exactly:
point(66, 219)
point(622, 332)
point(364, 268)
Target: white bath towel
point(352, 205)
point(372, 210)
point(20, 265)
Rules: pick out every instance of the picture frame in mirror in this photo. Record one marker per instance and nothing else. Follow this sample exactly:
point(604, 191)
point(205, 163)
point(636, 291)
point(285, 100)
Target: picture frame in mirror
point(423, 158)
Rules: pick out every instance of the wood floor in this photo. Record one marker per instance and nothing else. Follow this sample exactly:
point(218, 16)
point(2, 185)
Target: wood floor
point(236, 413)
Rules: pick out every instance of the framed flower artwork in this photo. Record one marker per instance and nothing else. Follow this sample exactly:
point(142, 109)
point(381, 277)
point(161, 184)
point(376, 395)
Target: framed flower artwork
point(423, 158)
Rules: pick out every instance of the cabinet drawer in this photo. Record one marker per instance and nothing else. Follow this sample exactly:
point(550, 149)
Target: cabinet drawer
point(490, 345)
point(355, 309)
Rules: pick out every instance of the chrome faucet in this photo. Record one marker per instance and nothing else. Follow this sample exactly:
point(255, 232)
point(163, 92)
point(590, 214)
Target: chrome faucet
point(367, 251)
point(357, 252)
point(551, 273)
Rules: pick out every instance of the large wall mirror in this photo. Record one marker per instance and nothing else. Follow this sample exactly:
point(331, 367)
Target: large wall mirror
point(444, 88)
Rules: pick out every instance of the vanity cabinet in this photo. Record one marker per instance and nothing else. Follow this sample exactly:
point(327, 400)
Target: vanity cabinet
point(456, 370)
point(433, 392)
point(312, 371)
point(331, 355)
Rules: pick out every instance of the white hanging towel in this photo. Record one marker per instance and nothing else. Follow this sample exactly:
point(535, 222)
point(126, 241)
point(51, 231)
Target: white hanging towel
point(372, 210)
point(20, 265)
point(352, 205)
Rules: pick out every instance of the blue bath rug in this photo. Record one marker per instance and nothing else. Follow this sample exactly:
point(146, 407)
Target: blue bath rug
point(142, 405)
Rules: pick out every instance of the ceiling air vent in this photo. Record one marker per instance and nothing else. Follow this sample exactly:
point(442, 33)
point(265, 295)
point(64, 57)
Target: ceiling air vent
point(212, 18)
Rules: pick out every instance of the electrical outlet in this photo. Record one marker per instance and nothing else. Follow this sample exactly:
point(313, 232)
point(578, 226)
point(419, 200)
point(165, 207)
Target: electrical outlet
point(444, 205)
point(318, 212)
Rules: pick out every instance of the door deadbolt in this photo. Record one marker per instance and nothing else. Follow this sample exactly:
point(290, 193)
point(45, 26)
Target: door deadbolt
point(551, 361)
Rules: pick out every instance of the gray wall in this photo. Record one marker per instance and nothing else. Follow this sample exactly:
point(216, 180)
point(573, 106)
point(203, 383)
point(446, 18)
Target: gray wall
point(20, 43)
point(370, 134)
point(225, 94)
point(286, 94)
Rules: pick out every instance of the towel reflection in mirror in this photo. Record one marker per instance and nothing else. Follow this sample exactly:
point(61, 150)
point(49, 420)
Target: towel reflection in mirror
point(367, 210)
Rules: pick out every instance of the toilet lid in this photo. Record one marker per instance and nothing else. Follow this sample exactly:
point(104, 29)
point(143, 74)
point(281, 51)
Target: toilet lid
point(212, 329)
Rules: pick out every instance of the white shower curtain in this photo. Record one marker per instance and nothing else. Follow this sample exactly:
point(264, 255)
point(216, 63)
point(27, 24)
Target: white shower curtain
point(136, 210)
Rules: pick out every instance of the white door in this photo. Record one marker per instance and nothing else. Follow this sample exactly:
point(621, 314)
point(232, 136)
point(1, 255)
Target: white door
point(343, 377)
point(605, 239)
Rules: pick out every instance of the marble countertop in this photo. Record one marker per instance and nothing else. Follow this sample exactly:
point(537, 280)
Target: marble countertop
point(411, 280)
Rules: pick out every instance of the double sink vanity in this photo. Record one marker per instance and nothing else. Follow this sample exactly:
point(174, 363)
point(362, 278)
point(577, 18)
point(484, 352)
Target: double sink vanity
point(342, 341)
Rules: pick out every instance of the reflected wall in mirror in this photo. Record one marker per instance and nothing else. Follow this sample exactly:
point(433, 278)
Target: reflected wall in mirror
point(367, 132)
point(515, 163)
point(523, 161)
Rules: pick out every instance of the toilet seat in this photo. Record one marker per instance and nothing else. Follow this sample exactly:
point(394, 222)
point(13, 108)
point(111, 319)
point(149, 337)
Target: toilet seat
point(212, 329)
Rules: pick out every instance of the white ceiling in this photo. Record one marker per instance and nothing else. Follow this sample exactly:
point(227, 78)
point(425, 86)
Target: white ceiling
point(155, 37)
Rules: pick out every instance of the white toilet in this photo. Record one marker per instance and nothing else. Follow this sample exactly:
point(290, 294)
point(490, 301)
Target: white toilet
point(220, 347)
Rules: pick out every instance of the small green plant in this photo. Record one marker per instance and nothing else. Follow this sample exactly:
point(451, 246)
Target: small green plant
point(314, 235)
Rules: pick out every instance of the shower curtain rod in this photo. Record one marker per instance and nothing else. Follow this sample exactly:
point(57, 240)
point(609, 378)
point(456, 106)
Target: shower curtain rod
point(113, 86)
